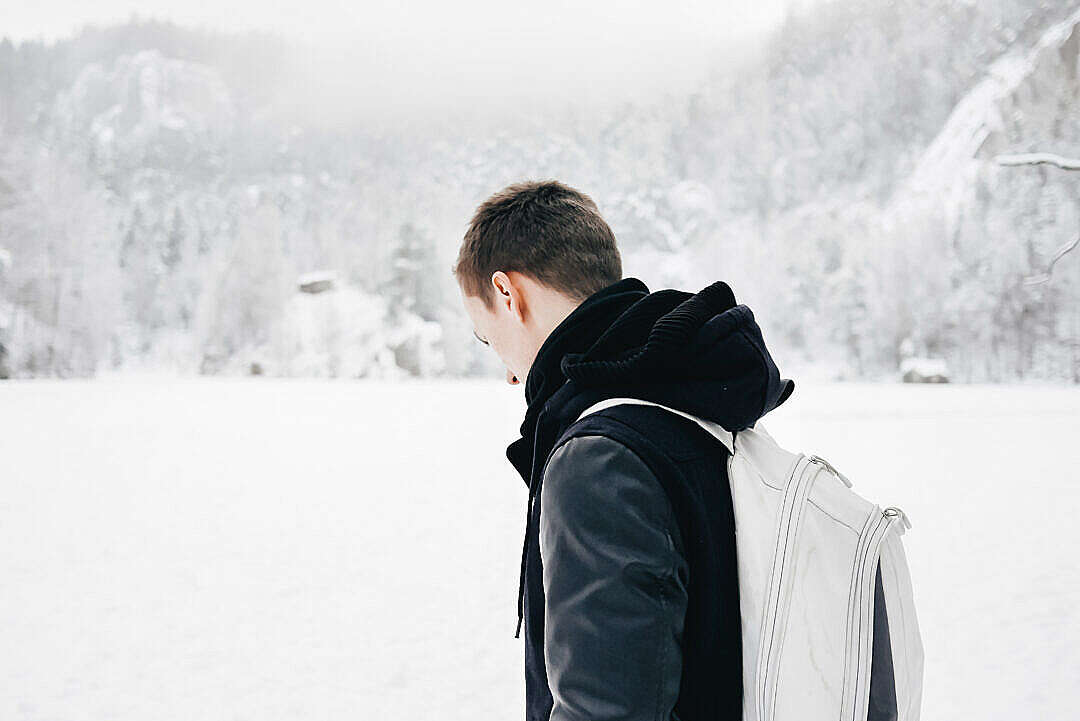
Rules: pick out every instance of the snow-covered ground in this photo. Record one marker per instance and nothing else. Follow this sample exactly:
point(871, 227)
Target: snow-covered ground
point(280, 549)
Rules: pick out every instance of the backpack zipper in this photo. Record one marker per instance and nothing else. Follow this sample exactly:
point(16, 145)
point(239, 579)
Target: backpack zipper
point(838, 474)
point(795, 492)
point(860, 611)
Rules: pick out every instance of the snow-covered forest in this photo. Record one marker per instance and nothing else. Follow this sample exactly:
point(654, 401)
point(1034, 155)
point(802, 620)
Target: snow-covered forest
point(166, 192)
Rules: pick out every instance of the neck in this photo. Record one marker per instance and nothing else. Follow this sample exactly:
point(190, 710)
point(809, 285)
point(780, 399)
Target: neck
point(550, 313)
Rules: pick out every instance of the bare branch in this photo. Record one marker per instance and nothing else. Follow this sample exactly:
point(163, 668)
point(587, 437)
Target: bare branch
point(1039, 159)
point(1061, 253)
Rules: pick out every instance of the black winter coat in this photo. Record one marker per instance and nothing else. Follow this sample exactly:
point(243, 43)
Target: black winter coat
point(628, 589)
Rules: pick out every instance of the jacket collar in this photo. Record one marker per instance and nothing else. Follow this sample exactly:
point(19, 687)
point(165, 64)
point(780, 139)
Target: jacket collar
point(574, 334)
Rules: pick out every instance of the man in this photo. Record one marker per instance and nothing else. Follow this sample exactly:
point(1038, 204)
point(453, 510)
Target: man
point(628, 587)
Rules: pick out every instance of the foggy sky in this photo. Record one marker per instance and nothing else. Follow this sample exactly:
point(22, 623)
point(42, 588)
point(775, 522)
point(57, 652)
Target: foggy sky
point(485, 55)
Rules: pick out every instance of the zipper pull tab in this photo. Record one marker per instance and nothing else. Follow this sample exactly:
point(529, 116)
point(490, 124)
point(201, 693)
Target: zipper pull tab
point(838, 474)
point(894, 511)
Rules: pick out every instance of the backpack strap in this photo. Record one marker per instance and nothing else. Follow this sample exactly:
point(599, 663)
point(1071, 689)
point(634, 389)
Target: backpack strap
point(721, 434)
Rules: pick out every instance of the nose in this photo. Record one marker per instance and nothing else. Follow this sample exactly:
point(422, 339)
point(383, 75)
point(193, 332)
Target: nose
point(511, 378)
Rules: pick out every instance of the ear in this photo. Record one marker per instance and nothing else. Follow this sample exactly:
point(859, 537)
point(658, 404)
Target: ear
point(509, 291)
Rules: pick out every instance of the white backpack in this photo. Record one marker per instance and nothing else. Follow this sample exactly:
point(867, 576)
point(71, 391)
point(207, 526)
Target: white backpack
point(808, 550)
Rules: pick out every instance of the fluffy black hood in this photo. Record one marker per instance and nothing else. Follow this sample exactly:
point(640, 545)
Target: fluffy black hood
point(698, 352)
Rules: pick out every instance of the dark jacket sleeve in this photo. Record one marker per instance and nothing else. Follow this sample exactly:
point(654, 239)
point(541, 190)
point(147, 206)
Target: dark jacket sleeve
point(615, 577)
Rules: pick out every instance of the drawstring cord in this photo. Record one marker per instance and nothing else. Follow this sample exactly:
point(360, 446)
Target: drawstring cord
point(524, 556)
point(533, 485)
point(524, 560)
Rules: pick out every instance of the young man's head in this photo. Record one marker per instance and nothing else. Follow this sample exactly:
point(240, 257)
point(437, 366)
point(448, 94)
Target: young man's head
point(532, 253)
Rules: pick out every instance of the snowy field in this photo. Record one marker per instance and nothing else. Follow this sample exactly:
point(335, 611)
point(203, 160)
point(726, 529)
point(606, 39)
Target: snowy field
point(257, 549)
